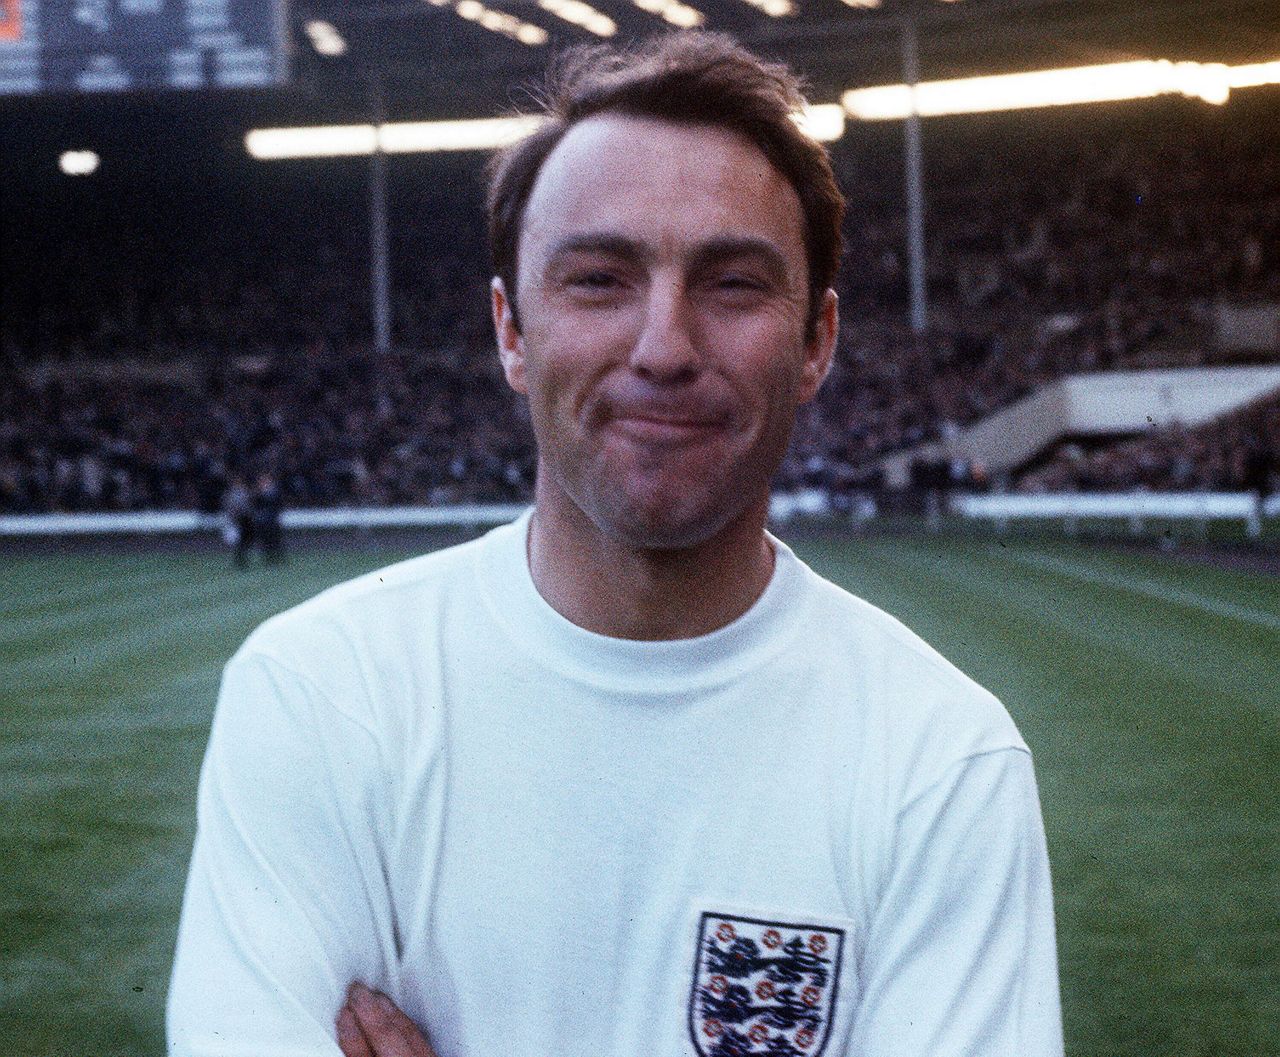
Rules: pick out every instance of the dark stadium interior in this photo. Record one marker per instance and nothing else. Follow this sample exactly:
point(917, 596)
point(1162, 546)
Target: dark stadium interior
point(1082, 239)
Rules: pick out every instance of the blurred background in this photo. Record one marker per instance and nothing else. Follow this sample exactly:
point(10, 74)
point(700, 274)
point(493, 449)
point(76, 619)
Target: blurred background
point(245, 352)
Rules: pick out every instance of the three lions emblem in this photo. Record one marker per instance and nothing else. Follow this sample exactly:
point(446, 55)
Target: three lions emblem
point(763, 987)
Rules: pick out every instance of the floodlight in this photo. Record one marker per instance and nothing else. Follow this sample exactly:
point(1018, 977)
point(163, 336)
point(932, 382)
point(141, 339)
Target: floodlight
point(409, 137)
point(325, 38)
point(774, 8)
point(395, 137)
point(683, 15)
point(1202, 80)
point(1211, 82)
point(1142, 79)
point(823, 122)
point(672, 11)
point(496, 21)
point(328, 141)
point(1253, 75)
point(78, 162)
point(581, 14)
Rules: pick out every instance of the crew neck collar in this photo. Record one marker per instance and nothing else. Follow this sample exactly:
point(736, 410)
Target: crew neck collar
point(632, 665)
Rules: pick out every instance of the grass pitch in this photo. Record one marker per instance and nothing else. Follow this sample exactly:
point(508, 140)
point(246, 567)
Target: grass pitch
point(1149, 691)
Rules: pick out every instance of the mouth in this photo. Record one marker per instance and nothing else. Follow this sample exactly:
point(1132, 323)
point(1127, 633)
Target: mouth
point(665, 429)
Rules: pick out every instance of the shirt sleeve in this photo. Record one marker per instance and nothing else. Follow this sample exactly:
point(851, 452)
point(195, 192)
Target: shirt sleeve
point(286, 898)
point(960, 960)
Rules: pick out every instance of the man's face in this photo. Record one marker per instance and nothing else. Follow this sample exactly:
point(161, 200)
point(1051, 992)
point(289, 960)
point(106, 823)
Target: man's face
point(663, 291)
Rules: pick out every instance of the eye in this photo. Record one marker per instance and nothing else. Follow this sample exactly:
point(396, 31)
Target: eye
point(738, 287)
point(594, 280)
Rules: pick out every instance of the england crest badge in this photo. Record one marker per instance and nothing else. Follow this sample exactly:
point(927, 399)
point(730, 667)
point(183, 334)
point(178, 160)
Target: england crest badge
point(763, 987)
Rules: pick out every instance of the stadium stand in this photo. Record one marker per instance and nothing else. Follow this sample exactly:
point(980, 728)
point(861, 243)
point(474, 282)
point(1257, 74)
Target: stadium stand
point(1237, 452)
point(333, 430)
point(1078, 242)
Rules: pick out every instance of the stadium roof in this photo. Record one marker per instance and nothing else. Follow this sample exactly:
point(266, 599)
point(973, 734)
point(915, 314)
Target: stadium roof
point(435, 64)
point(472, 71)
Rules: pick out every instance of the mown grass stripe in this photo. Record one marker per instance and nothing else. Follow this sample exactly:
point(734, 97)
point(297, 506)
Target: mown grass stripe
point(29, 597)
point(1157, 771)
point(112, 607)
point(1140, 634)
point(1174, 568)
point(1151, 589)
point(78, 645)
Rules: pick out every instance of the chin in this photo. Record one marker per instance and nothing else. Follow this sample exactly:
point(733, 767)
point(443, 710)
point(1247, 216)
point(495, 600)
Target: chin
point(660, 538)
point(662, 526)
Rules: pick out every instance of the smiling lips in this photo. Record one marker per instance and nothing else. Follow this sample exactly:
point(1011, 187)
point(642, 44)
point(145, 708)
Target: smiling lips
point(665, 426)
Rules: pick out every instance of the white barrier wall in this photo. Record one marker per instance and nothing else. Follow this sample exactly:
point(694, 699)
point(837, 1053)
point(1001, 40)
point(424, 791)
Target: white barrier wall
point(1133, 507)
point(1194, 506)
point(1101, 403)
point(1131, 401)
point(1203, 506)
point(170, 522)
point(150, 522)
point(811, 502)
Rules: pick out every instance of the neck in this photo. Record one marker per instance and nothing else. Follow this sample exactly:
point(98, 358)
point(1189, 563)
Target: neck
point(616, 589)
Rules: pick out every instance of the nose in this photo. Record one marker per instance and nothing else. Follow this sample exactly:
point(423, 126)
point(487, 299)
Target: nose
point(666, 349)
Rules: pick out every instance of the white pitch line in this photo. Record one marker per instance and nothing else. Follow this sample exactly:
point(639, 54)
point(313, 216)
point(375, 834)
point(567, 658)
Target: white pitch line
point(1149, 588)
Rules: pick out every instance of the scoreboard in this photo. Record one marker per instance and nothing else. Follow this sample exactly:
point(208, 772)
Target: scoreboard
point(126, 45)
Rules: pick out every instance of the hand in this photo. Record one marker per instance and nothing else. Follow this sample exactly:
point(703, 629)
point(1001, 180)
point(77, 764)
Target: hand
point(370, 1025)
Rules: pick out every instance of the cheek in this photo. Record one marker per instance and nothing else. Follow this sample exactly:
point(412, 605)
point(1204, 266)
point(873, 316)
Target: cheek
point(558, 390)
point(567, 357)
point(770, 380)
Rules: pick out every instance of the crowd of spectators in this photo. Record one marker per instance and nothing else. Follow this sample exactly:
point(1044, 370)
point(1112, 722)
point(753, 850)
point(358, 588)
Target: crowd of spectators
point(1055, 245)
point(402, 428)
point(1237, 452)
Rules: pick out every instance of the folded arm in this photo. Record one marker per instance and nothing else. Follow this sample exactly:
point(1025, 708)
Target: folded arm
point(285, 902)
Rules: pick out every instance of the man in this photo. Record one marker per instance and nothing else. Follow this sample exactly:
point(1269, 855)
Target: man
point(237, 507)
point(625, 778)
point(266, 511)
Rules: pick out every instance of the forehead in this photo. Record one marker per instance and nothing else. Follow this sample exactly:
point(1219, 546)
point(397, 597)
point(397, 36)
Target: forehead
point(666, 184)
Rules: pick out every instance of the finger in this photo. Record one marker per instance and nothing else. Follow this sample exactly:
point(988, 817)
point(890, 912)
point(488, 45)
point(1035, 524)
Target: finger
point(351, 1039)
point(387, 1030)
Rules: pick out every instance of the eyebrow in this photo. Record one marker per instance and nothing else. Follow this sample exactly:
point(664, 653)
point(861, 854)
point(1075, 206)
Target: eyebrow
point(732, 247)
point(713, 251)
point(606, 242)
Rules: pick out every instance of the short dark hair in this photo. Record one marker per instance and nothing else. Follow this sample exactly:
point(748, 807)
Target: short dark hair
point(687, 77)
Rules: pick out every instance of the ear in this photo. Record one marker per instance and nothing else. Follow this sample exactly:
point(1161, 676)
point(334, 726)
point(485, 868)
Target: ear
point(821, 349)
point(510, 340)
